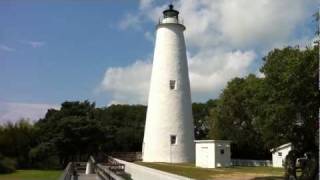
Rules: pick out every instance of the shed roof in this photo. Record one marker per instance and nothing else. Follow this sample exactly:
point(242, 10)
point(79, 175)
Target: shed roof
point(283, 146)
point(212, 141)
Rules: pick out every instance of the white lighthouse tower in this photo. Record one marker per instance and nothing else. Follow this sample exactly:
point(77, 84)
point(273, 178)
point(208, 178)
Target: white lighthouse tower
point(169, 130)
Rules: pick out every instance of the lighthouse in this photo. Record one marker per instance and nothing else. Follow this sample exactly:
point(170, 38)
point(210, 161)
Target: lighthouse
point(169, 130)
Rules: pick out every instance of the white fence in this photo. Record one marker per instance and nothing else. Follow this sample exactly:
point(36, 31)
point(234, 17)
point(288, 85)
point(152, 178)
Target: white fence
point(250, 162)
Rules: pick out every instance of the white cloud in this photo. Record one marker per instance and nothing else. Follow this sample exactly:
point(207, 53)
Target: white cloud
point(209, 72)
point(260, 74)
point(248, 22)
point(4, 47)
point(235, 23)
point(149, 36)
point(144, 4)
point(13, 111)
point(130, 21)
point(34, 44)
point(128, 84)
point(224, 37)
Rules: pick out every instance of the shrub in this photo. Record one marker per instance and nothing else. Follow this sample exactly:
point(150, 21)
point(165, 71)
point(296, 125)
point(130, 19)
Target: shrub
point(43, 156)
point(7, 165)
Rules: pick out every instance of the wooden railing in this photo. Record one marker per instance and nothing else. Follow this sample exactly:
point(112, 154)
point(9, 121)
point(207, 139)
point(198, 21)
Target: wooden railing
point(107, 171)
point(92, 160)
point(127, 156)
point(106, 174)
point(115, 166)
point(67, 173)
point(110, 169)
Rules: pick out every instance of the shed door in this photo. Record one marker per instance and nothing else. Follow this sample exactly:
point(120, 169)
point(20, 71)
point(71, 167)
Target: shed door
point(204, 161)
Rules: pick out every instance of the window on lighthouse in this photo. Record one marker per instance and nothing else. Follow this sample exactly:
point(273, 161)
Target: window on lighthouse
point(172, 84)
point(173, 139)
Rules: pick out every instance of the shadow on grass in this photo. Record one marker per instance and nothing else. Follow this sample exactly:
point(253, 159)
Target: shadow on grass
point(268, 178)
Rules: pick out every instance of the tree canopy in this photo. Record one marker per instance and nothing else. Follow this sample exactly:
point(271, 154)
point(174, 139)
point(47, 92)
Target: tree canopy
point(258, 114)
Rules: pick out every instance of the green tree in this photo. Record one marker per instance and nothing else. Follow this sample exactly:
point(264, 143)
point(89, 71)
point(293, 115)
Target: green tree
point(72, 131)
point(292, 80)
point(292, 101)
point(279, 108)
point(16, 139)
point(125, 124)
point(236, 117)
point(200, 113)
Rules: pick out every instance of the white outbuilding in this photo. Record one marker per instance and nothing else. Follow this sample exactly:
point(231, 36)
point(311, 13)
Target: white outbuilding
point(279, 154)
point(213, 153)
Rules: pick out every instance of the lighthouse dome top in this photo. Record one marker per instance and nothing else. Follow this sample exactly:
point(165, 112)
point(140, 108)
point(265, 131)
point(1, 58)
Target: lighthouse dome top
point(169, 13)
point(170, 17)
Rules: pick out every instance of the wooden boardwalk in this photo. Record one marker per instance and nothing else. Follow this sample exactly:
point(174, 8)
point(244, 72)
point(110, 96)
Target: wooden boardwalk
point(104, 171)
point(88, 177)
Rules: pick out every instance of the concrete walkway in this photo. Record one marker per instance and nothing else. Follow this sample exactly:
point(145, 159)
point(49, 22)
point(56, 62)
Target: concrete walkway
point(88, 177)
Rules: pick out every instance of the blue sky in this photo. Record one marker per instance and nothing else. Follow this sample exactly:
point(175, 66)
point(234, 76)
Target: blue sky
point(101, 50)
point(79, 41)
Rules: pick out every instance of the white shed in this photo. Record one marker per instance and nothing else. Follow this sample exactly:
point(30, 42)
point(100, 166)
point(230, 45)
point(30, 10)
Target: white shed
point(279, 154)
point(213, 153)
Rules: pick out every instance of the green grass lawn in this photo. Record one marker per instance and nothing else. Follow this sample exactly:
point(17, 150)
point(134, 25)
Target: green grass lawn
point(234, 173)
point(32, 175)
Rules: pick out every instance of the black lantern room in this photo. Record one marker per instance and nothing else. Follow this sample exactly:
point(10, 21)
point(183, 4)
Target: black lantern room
point(169, 13)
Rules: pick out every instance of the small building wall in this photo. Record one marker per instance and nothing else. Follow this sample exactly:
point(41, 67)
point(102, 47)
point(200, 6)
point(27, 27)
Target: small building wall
point(279, 156)
point(213, 153)
point(203, 156)
point(222, 154)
